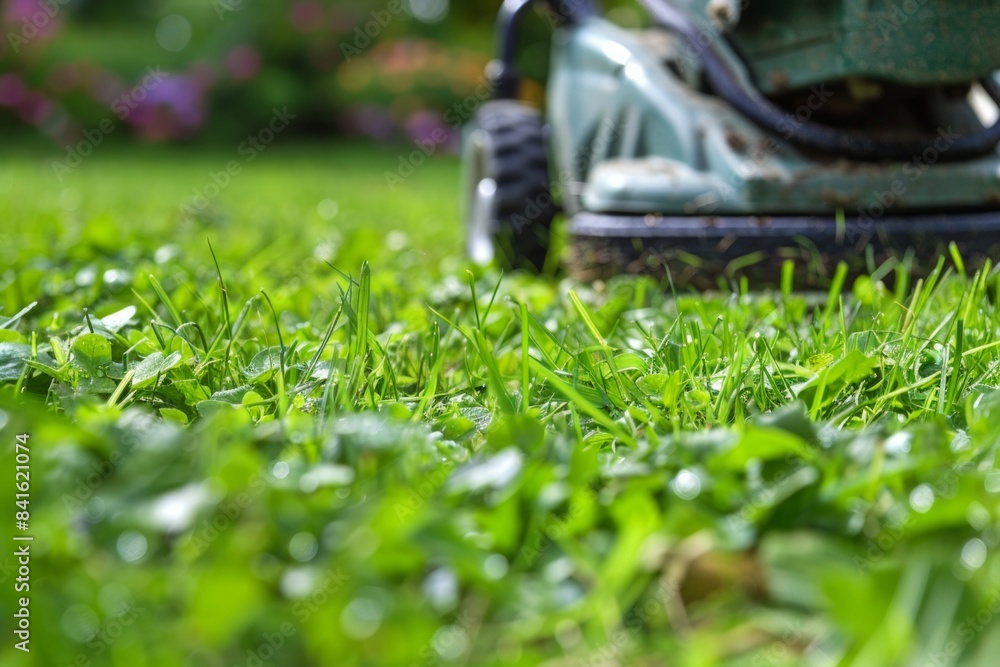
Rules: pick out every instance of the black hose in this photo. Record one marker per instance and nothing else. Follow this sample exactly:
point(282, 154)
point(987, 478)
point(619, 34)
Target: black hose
point(809, 135)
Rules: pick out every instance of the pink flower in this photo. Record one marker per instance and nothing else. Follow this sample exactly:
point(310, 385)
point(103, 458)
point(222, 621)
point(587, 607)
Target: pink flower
point(12, 90)
point(32, 18)
point(243, 63)
point(34, 107)
point(426, 126)
point(371, 121)
point(202, 74)
point(306, 16)
point(172, 109)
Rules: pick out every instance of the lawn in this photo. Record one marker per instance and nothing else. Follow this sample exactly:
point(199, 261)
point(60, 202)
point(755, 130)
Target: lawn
point(293, 428)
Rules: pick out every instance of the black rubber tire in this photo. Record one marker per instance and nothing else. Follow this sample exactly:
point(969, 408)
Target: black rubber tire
point(516, 158)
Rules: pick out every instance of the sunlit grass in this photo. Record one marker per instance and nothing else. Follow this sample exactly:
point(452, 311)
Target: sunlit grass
point(410, 463)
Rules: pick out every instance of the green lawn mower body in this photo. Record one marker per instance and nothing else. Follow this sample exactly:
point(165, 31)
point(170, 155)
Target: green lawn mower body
point(733, 136)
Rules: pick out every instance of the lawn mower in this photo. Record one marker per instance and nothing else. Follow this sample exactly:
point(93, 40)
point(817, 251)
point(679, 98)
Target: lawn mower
point(729, 136)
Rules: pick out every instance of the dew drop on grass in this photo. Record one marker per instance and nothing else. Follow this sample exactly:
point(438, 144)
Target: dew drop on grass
point(280, 470)
point(974, 554)
point(131, 546)
point(397, 240)
point(328, 209)
point(173, 32)
point(558, 570)
point(175, 511)
point(364, 541)
point(978, 516)
point(922, 498)
point(327, 248)
point(296, 583)
point(495, 566)
point(450, 642)
point(993, 482)
point(80, 623)
point(898, 444)
point(362, 617)
point(166, 253)
point(686, 485)
point(428, 11)
point(117, 279)
point(479, 540)
point(441, 588)
point(303, 547)
point(326, 474)
point(266, 567)
point(95, 509)
point(85, 277)
point(961, 442)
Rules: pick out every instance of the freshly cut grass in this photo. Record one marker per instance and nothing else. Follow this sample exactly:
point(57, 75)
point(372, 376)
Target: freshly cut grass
point(244, 432)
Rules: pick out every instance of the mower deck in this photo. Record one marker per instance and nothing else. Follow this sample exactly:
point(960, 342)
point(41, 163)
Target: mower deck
point(701, 250)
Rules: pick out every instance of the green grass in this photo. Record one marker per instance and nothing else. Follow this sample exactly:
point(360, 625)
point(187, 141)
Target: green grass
point(289, 440)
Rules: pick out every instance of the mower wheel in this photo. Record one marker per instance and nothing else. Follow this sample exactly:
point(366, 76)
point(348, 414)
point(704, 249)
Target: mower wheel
point(508, 205)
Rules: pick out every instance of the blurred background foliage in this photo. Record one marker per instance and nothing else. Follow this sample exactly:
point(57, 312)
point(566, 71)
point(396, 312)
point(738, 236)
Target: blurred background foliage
point(388, 70)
